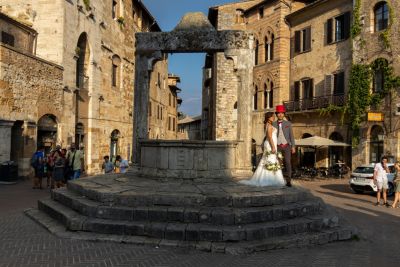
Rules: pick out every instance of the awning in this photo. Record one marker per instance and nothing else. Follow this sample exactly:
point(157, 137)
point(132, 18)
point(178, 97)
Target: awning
point(319, 141)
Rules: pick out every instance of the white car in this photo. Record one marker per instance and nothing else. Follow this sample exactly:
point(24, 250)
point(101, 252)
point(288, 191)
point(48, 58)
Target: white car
point(361, 179)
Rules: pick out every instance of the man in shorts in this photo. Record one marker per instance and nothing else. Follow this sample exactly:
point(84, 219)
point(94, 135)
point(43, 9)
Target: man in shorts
point(380, 179)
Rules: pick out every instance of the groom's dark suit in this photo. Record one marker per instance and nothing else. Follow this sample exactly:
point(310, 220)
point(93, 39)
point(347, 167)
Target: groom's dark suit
point(286, 146)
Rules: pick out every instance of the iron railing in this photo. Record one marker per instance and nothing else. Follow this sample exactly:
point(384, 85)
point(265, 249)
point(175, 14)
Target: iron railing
point(315, 103)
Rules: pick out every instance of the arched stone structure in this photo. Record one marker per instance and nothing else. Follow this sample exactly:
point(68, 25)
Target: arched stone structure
point(231, 138)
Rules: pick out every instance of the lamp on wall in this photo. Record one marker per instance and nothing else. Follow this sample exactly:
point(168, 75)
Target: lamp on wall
point(381, 137)
point(101, 98)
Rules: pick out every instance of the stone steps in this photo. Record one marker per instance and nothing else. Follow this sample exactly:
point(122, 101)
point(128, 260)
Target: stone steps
point(205, 215)
point(147, 197)
point(299, 240)
point(74, 221)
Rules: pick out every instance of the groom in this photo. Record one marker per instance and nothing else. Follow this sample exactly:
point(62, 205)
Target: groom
point(286, 144)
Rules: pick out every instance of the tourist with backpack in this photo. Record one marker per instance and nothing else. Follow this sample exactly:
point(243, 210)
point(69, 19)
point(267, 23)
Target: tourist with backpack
point(38, 164)
point(76, 163)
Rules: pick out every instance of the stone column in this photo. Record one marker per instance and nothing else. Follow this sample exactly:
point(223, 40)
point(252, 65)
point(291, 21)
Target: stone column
point(243, 64)
point(144, 66)
point(5, 140)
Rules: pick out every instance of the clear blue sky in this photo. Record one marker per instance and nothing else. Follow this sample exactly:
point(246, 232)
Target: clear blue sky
point(188, 66)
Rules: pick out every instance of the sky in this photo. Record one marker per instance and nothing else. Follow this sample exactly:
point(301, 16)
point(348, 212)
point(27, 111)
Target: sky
point(188, 66)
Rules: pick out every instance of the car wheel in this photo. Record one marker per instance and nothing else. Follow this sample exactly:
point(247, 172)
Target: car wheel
point(390, 190)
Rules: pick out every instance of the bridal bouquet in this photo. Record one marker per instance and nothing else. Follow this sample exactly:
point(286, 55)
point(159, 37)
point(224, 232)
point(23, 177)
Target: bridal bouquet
point(272, 166)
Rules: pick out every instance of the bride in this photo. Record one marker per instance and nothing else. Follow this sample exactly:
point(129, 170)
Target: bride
point(268, 172)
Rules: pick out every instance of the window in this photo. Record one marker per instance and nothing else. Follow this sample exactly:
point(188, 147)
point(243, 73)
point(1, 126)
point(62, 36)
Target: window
point(271, 95)
point(174, 101)
point(381, 12)
point(239, 16)
point(255, 102)
point(269, 48)
point(379, 81)
point(169, 99)
point(261, 12)
point(173, 124)
point(338, 28)
point(7, 38)
point(169, 123)
point(115, 72)
point(256, 53)
point(114, 9)
point(338, 83)
point(302, 40)
point(159, 80)
point(150, 111)
point(308, 92)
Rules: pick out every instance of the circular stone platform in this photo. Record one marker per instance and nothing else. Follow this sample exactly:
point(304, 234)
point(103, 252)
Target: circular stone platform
point(217, 215)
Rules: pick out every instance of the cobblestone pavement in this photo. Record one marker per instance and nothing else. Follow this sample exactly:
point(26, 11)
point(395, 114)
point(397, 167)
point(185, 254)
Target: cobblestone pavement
point(24, 243)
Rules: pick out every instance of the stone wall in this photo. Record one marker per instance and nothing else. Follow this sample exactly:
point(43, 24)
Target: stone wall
point(188, 159)
point(102, 107)
point(30, 87)
point(23, 36)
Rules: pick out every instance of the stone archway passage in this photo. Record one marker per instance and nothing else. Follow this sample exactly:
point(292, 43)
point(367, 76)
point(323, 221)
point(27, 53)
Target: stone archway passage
point(195, 34)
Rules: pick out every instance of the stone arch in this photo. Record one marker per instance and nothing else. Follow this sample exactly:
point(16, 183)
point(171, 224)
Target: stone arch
point(83, 55)
point(47, 130)
point(194, 34)
point(115, 137)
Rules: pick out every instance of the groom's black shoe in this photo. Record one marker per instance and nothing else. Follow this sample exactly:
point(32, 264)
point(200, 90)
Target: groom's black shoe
point(289, 184)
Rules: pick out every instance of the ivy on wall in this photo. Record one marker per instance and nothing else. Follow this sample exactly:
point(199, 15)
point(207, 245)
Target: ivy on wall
point(356, 26)
point(385, 34)
point(87, 4)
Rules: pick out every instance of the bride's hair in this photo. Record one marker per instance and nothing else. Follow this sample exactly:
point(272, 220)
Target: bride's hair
point(267, 116)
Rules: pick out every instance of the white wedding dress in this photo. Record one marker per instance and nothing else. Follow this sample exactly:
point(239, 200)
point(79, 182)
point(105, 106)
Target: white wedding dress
point(262, 176)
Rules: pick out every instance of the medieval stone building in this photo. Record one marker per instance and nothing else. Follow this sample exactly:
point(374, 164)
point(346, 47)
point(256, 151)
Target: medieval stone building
point(90, 98)
point(321, 59)
point(377, 46)
point(31, 89)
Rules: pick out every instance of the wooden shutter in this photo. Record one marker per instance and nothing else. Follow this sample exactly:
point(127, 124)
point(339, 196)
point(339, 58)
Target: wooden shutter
point(297, 41)
point(346, 26)
point(328, 85)
point(340, 83)
point(311, 88)
point(329, 31)
point(307, 39)
point(296, 93)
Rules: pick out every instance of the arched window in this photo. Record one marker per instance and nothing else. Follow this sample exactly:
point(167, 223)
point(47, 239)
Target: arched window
point(379, 76)
point(116, 71)
point(381, 12)
point(255, 99)
point(269, 48)
point(271, 95)
point(82, 53)
point(256, 53)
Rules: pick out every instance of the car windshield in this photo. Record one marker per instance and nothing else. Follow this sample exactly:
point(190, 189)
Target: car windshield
point(364, 170)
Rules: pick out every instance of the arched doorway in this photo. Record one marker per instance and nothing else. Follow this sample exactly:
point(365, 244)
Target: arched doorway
point(114, 145)
point(376, 144)
point(80, 135)
point(307, 154)
point(47, 132)
point(335, 153)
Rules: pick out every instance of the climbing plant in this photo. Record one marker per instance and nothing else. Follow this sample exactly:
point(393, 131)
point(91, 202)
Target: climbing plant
point(356, 26)
point(87, 4)
point(385, 34)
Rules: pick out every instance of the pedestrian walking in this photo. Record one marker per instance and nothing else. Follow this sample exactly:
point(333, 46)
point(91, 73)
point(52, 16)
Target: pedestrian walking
point(107, 166)
point(380, 178)
point(38, 164)
point(59, 168)
point(396, 182)
point(121, 165)
point(76, 162)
